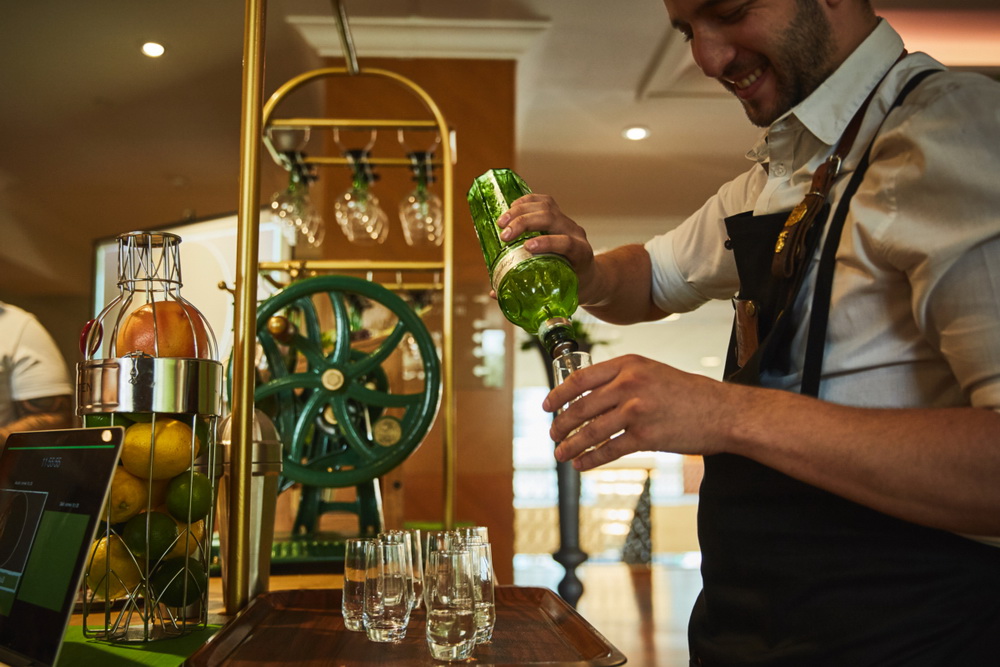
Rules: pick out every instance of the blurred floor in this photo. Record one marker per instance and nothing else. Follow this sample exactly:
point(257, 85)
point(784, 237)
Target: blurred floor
point(642, 611)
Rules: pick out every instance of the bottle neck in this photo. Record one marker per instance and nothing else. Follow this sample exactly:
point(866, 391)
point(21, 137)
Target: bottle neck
point(558, 337)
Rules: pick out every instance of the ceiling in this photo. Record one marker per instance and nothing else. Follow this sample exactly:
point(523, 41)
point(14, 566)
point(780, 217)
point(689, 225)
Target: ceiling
point(98, 139)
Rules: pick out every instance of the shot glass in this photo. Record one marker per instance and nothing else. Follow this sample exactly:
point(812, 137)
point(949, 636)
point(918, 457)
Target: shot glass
point(388, 592)
point(417, 563)
point(465, 532)
point(411, 540)
point(355, 565)
point(451, 625)
point(565, 365)
point(483, 589)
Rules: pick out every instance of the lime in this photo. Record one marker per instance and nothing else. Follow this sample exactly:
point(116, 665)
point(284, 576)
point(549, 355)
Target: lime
point(170, 579)
point(189, 496)
point(163, 533)
point(97, 420)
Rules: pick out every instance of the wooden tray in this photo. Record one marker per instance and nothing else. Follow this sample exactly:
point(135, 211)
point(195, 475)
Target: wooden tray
point(305, 627)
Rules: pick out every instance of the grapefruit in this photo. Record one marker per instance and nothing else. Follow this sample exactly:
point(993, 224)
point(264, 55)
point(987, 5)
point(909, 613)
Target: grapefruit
point(164, 329)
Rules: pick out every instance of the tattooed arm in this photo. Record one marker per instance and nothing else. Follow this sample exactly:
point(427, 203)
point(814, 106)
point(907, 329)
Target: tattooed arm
point(39, 413)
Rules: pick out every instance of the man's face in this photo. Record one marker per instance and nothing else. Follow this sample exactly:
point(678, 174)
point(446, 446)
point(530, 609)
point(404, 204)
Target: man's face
point(771, 54)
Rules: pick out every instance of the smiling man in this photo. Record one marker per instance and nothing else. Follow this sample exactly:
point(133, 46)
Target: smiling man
point(850, 509)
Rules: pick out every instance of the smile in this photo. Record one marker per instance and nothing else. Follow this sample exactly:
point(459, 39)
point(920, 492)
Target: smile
point(746, 81)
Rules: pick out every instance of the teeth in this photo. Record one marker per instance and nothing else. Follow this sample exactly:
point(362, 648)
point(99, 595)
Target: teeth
point(747, 80)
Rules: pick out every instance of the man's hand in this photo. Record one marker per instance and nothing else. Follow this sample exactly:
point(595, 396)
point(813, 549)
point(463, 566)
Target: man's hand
point(631, 404)
point(540, 213)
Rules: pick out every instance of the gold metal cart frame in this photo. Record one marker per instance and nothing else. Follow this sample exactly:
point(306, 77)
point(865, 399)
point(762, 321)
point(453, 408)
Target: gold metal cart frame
point(254, 119)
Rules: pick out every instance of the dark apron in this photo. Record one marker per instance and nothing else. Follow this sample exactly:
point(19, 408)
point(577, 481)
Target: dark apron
point(795, 576)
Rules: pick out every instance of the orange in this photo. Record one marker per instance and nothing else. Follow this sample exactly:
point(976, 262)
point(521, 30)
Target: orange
point(164, 329)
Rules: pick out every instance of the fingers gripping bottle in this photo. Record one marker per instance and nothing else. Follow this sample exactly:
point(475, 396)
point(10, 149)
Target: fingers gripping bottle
point(536, 292)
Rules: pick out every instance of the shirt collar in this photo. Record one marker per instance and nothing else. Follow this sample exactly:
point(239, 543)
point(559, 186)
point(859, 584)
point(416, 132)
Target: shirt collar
point(828, 110)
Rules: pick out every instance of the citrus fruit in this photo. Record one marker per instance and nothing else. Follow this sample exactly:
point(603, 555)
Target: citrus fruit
point(164, 329)
point(188, 538)
point(157, 489)
point(126, 498)
point(159, 540)
point(189, 496)
point(171, 444)
point(97, 420)
point(172, 576)
point(111, 570)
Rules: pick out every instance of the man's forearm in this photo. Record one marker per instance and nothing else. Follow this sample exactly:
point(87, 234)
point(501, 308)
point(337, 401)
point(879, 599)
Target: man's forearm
point(618, 290)
point(37, 414)
point(935, 467)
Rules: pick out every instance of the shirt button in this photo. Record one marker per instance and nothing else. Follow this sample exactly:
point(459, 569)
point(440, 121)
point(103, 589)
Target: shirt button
point(778, 169)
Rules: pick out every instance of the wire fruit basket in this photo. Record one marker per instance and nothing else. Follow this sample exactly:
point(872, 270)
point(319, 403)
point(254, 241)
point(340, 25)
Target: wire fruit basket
point(150, 366)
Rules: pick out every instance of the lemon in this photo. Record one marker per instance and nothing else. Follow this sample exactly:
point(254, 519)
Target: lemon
point(162, 531)
point(189, 496)
point(171, 446)
point(111, 570)
point(188, 538)
point(126, 498)
point(171, 577)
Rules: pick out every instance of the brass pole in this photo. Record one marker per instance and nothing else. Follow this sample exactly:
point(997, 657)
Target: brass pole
point(248, 215)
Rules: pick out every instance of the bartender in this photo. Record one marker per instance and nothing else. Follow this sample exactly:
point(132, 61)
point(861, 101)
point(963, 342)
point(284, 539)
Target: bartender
point(850, 502)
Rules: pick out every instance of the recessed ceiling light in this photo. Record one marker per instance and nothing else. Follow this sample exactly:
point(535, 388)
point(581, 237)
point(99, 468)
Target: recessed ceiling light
point(153, 49)
point(636, 133)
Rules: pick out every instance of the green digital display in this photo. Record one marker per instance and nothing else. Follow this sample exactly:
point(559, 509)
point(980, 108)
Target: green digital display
point(53, 486)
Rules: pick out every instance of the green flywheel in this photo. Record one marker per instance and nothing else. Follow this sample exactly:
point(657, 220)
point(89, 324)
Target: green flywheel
point(327, 388)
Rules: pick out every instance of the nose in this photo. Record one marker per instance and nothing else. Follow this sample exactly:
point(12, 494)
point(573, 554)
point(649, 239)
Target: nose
point(712, 52)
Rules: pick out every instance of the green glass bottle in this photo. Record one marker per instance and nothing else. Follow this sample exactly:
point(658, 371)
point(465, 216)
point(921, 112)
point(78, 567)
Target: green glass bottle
point(536, 292)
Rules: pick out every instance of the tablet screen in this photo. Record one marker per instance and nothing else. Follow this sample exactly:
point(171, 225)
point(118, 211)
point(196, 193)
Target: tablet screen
point(53, 486)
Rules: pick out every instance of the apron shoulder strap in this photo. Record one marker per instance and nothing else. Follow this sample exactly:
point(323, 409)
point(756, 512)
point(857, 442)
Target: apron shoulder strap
point(819, 317)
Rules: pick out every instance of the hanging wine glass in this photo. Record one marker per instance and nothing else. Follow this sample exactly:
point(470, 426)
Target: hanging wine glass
point(357, 210)
point(421, 212)
point(293, 207)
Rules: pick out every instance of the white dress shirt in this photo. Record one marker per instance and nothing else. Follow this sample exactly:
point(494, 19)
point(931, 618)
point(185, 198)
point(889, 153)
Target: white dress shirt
point(31, 365)
point(915, 312)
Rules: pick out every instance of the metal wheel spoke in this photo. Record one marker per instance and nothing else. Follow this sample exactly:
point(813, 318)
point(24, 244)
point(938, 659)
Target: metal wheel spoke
point(304, 425)
point(289, 383)
point(383, 351)
point(383, 399)
point(310, 349)
point(354, 441)
point(342, 341)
